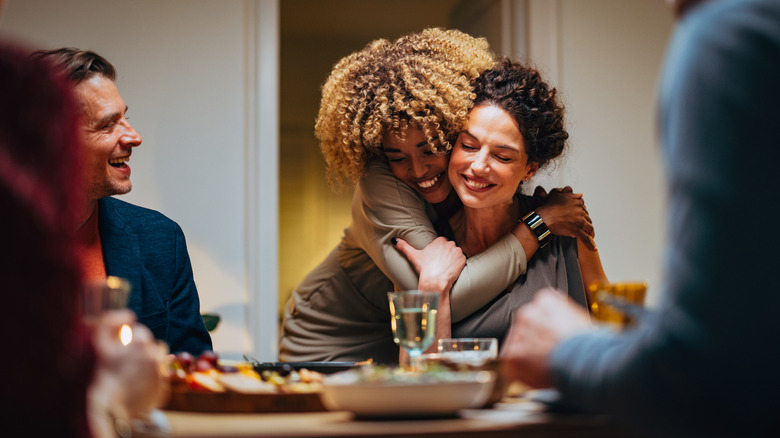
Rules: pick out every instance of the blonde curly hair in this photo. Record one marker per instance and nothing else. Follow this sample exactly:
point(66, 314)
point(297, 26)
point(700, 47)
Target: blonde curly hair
point(421, 79)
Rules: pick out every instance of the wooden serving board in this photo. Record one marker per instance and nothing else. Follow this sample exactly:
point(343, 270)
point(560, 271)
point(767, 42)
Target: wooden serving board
point(233, 402)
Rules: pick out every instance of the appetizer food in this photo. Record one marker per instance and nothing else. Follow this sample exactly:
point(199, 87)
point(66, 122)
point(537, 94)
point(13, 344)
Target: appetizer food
point(205, 373)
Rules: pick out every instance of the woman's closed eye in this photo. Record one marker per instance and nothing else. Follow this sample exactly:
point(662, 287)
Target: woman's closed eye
point(396, 159)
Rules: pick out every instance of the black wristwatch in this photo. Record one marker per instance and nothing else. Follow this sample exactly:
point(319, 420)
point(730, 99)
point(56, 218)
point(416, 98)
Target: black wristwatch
point(539, 228)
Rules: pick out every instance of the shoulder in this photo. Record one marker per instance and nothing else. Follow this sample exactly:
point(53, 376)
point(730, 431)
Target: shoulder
point(378, 185)
point(728, 29)
point(527, 203)
point(126, 214)
point(732, 14)
point(378, 178)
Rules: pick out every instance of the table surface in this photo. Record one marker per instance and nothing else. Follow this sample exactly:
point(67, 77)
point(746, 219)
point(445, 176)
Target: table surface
point(518, 419)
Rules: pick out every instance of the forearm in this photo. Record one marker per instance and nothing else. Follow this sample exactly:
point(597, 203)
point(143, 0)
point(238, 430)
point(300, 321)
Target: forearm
point(527, 239)
point(590, 266)
point(595, 371)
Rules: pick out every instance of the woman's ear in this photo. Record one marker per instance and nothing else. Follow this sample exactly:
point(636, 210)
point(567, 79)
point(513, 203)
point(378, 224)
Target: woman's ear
point(532, 168)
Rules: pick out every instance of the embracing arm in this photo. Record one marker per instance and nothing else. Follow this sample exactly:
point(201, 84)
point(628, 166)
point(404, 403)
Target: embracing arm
point(384, 208)
point(564, 213)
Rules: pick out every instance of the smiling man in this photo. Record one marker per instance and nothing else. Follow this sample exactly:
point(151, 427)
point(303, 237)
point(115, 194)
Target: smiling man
point(118, 238)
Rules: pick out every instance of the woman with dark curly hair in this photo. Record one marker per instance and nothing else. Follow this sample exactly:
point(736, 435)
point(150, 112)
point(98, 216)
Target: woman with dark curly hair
point(389, 115)
point(514, 129)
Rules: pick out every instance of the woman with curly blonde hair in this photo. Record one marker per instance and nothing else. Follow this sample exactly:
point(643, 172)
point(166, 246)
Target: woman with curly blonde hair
point(389, 115)
point(420, 80)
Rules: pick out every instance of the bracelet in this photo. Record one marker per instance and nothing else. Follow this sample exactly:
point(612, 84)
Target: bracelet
point(537, 225)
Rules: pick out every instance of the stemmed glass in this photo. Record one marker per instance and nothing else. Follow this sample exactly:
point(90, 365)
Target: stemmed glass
point(413, 320)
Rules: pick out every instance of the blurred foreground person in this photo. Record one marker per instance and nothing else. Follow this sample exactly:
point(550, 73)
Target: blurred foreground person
point(706, 362)
point(61, 377)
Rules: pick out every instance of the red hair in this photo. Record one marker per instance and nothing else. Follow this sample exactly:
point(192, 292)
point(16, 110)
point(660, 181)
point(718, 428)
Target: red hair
point(51, 360)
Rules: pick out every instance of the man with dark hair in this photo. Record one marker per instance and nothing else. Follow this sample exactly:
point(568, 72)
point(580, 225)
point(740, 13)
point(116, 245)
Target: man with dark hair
point(119, 238)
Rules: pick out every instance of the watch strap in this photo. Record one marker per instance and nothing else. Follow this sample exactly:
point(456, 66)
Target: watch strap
point(539, 228)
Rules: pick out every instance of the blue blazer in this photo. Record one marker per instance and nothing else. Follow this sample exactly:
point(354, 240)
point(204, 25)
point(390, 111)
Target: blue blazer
point(148, 249)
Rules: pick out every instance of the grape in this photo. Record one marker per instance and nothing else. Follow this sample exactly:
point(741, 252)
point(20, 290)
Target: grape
point(227, 369)
point(203, 365)
point(209, 356)
point(285, 369)
point(185, 359)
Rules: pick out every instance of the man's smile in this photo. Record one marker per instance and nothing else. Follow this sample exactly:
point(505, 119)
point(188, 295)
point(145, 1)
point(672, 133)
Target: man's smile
point(119, 162)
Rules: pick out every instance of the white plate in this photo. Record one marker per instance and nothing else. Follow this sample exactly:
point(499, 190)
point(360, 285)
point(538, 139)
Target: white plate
point(443, 396)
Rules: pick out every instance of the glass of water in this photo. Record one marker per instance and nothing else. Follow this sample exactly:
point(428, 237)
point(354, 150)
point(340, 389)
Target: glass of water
point(413, 319)
point(474, 352)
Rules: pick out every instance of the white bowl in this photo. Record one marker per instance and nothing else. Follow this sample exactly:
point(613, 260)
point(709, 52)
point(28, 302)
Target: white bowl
point(442, 396)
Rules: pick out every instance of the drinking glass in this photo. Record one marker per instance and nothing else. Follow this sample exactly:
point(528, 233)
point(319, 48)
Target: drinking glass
point(617, 304)
point(99, 296)
point(474, 352)
point(413, 320)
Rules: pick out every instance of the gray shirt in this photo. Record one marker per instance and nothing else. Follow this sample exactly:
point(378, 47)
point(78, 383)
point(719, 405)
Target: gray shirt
point(556, 265)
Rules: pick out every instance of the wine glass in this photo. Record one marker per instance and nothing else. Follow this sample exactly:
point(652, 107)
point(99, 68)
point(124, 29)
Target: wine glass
point(413, 320)
point(618, 305)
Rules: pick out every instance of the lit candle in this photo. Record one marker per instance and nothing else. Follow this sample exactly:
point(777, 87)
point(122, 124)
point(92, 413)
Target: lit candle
point(125, 334)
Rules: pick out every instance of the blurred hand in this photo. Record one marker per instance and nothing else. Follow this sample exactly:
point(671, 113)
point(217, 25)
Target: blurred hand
point(127, 376)
point(538, 327)
point(564, 213)
point(438, 264)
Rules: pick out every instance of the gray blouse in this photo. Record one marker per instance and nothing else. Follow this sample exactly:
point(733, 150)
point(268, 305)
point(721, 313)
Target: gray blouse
point(556, 265)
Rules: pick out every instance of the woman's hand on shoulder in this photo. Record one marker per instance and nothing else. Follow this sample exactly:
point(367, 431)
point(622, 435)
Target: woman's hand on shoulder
point(439, 264)
point(565, 214)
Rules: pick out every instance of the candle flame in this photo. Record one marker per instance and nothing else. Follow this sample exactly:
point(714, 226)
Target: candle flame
point(125, 334)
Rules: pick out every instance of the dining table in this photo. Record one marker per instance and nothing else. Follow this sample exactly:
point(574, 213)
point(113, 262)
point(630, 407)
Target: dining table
point(517, 417)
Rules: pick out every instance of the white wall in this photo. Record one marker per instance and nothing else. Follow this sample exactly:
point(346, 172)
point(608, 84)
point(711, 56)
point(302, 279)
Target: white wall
point(610, 53)
point(183, 73)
